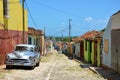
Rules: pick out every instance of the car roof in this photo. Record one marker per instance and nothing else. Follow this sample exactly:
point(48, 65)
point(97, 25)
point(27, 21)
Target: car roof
point(27, 45)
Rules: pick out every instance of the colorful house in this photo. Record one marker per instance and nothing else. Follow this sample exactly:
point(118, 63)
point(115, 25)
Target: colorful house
point(111, 43)
point(77, 49)
point(1, 16)
point(93, 48)
point(79, 46)
point(49, 47)
point(35, 37)
point(70, 50)
point(96, 49)
point(88, 45)
point(11, 26)
point(64, 47)
point(98, 39)
point(87, 50)
point(84, 46)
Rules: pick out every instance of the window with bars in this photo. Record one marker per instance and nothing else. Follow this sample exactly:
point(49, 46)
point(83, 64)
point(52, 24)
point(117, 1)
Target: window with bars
point(5, 6)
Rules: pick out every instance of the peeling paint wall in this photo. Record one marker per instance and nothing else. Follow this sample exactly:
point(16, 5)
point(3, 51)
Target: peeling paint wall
point(11, 28)
point(77, 50)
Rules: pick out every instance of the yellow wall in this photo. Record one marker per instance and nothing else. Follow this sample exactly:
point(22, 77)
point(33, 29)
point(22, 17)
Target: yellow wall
point(14, 21)
point(42, 44)
point(1, 15)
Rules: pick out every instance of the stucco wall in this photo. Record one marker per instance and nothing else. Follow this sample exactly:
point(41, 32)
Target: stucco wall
point(42, 45)
point(11, 31)
point(14, 21)
point(87, 54)
point(98, 54)
point(1, 16)
point(92, 53)
point(107, 35)
point(116, 21)
point(77, 49)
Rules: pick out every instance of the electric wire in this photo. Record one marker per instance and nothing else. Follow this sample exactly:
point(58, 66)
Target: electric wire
point(31, 15)
point(60, 31)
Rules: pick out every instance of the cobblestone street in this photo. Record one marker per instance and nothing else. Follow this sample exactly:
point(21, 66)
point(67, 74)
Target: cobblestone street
point(52, 67)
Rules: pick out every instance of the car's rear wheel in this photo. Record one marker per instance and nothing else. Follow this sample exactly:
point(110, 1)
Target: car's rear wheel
point(8, 67)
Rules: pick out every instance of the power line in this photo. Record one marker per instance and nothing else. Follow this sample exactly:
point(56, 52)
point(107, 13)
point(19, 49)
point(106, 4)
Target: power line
point(58, 32)
point(31, 15)
point(58, 10)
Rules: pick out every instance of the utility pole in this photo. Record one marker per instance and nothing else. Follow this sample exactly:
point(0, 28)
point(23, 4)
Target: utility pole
point(44, 42)
point(44, 31)
point(69, 38)
point(70, 29)
point(23, 11)
point(62, 37)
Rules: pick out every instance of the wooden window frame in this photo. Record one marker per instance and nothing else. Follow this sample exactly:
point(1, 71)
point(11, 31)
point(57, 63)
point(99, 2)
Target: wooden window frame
point(6, 8)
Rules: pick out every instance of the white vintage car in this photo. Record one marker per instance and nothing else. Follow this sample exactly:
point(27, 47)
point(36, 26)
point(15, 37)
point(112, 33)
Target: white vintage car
point(23, 55)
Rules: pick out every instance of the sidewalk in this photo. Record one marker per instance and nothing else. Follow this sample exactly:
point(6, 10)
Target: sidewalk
point(108, 74)
point(2, 66)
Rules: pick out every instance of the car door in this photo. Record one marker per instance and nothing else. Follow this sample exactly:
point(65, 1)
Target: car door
point(36, 55)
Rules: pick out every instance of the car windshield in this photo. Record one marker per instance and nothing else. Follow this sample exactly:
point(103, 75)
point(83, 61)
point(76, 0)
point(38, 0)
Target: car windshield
point(23, 48)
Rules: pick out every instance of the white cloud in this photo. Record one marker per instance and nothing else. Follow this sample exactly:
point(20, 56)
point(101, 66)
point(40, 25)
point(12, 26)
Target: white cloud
point(88, 19)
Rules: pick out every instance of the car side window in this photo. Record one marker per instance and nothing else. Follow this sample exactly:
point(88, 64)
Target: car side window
point(31, 49)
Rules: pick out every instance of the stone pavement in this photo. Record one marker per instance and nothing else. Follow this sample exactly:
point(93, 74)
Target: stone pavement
point(108, 74)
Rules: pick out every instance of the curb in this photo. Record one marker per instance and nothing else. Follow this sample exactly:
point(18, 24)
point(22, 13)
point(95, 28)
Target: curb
point(90, 68)
point(93, 70)
point(78, 61)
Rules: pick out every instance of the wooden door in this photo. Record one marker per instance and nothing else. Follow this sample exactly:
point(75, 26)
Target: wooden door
point(115, 50)
point(95, 53)
point(82, 50)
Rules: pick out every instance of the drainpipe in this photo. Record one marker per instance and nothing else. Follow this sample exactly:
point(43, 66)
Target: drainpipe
point(23, 10)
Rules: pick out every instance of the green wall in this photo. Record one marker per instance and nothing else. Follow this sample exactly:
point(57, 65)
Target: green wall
point(87, 54)
point(92, 53)
point(98, 52)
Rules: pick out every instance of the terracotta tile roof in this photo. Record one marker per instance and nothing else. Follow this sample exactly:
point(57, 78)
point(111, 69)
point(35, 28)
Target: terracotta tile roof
point(88, 35)
point(34, 31)
point(99, 35)
point(91, 34)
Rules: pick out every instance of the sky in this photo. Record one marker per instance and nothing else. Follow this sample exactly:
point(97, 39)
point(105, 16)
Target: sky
point(85, 15)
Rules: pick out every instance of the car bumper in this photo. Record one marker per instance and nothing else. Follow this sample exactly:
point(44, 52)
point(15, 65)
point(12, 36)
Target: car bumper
point(20, 63)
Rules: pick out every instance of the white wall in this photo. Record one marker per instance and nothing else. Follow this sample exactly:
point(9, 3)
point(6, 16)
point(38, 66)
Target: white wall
point(77, 49)
point(107, 35)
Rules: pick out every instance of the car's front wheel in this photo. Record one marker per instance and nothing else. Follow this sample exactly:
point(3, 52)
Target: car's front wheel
point(37, 64)
point(32, 67)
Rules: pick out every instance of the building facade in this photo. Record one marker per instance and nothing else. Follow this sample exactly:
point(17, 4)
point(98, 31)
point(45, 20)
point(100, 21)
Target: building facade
point(11, 26)
point(35, 37)
point(111, 44)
